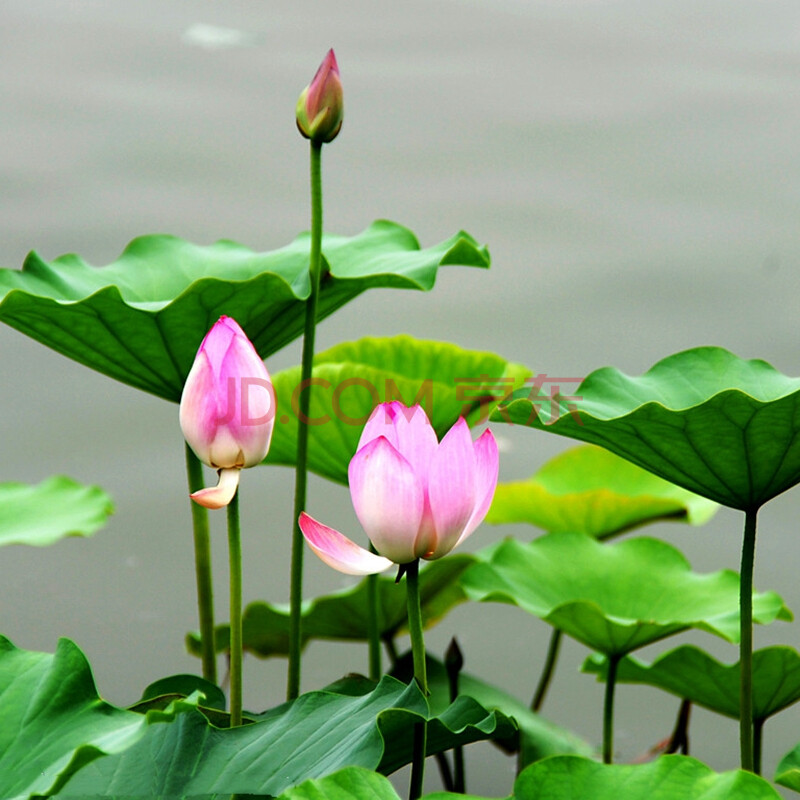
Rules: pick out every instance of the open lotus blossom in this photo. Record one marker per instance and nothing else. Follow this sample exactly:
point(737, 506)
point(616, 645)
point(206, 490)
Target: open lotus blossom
point(227, 408)
point(414, 496)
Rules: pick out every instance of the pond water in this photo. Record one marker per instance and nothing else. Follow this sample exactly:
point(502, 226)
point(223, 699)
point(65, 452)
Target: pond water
point(632, 166)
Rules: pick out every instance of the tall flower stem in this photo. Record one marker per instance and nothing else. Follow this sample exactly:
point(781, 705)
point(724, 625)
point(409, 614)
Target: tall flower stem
point(746, 641)
point(373, 631)
point(202, 568)
point(548, 670)
point(235, 560)
point(420, 675)
point(301, 471)
point(608, 709)
point(758, 730)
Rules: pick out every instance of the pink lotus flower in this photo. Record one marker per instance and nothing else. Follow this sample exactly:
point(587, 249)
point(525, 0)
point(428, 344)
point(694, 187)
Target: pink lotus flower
point(320, 107)
point(227, 408)
point(414, 496)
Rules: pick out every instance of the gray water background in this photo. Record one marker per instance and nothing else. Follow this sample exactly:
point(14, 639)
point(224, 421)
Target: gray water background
point(633, 167)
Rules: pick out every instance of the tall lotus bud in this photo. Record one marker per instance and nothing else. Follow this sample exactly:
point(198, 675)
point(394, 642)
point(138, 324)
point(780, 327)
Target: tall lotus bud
point(227, 408)
point(320, 108)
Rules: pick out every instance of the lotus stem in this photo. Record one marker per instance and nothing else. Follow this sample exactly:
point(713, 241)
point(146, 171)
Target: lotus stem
point(373, 632)
point(548, 670)
point(420, 675)
point(454, 663)
point(746, 641)
point(301, 470)
point(235, 560)
point(608, 709)
point(202, 569)
point(758, 730)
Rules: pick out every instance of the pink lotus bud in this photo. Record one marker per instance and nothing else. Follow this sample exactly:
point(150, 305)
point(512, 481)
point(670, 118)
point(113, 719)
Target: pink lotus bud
point(227, 408)
point(415, 497)
point(320, 108)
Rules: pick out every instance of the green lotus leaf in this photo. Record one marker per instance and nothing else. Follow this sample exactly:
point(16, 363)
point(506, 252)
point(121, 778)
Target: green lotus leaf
point(788, 771)
point(590, 490)
point(694, 675)
point(313, 736)
point(718, 425)
point(668, 778)
point(141, 319)
point(352, 783)
point(353, 377)
point(342, 615)
point(536, 736)
point(52, 722)
point(53, 509)
point(614, 597)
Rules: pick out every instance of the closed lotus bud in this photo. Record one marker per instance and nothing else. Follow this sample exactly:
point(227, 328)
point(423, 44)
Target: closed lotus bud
point(320, 108)
point(227, 408)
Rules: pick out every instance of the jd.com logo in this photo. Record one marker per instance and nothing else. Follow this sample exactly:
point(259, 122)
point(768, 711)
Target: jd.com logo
point(345, 400)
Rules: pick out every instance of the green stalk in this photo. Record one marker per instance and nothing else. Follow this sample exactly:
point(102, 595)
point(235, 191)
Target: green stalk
point(548, 670)
point(235, 559)
point(454, 663)
point(202, 568)
point(301, 471)
point(608, 709)
point(746, 641)
point(420, 675)
point(758, 731)
point(373, 632)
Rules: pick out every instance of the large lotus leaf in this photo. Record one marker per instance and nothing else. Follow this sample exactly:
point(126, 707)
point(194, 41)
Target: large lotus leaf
point(353, 377)
point(614, 597)
point(141, 319)
point(668, 778)
point(590, 490)
point(57, 507)
point(343, 615)
point(52, 721)
point(694, 675)
point(352, 783)
point(536, 736)
point(310, 737)
point(705, 419)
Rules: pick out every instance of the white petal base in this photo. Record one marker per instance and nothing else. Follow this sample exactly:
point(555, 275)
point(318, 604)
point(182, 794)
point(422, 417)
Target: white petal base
point(220, 495)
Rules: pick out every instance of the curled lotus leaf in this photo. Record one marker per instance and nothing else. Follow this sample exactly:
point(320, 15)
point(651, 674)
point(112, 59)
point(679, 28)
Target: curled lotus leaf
point(693, 674)
point(141, 319)
point(351, 378)
point(590, 490)
point(718, 425)
point(614, 597)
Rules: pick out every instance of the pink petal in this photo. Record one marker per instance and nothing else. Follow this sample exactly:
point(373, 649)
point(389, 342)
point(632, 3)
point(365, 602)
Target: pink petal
point(380, 423)
point(220, 495)
point(198, 410)
point(451, 488)
point(388, 499)
point(416, 439)
point(249, 402)
point(487, 459)
point(338, 551)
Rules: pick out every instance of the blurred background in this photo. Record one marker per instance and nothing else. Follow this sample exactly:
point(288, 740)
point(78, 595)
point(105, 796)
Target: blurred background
point(633, 168)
